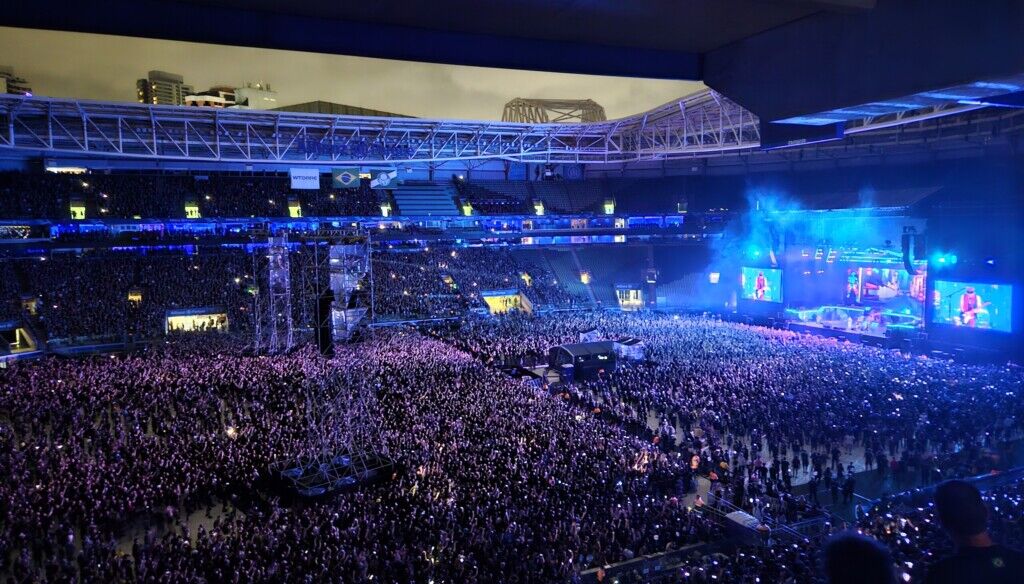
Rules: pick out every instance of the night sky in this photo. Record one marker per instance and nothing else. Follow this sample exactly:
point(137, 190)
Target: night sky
point(104, 67)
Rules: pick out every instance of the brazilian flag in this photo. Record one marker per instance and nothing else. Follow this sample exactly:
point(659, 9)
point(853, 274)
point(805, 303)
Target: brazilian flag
point(344, 178)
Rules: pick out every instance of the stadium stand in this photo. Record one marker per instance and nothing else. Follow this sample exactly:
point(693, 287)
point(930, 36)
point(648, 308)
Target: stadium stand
point(417, 199)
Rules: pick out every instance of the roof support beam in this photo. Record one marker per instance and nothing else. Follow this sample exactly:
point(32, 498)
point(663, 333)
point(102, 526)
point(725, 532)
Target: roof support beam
point(833, 60)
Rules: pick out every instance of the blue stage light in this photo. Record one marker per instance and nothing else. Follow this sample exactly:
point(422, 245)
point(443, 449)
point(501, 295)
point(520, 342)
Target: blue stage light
point(944, 258)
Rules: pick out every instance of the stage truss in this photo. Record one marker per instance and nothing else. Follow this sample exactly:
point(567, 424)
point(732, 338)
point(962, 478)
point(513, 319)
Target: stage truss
point(344, 444)
point(703, 124)
point(273, 320)
point(335, 259)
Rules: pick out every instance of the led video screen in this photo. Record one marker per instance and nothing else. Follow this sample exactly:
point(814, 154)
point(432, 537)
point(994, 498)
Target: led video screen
point(891, 290)
point(972, 305)
point(761, 284)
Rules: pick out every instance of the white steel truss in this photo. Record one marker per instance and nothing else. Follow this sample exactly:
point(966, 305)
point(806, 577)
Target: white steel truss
point(699, 125)
point(553, 110)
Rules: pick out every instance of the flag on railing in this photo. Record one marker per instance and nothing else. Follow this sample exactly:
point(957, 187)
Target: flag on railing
point(344, 178)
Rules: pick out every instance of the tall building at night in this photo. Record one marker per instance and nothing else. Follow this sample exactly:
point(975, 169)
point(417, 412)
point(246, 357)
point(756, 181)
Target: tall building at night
point(162, 88)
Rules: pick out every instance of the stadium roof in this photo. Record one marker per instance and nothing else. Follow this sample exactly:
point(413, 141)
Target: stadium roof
point(791, 60)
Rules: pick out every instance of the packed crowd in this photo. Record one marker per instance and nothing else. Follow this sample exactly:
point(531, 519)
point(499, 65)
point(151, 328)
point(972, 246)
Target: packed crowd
point(910, 527)
point(950, 534)
point(87, 295)
point(766, 409)
point(126, 196)
point(153, 467)
point(442, 280)
point(10, 292)
point(98, 295)
point(111, 462)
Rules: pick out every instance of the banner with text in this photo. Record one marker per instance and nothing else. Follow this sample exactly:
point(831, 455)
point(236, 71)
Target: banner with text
point(305, 178)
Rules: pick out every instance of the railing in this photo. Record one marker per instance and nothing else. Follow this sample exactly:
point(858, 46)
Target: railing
point(648, 567)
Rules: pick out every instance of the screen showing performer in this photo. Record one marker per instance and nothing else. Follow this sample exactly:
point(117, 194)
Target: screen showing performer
point(761, 284)
point(894, 291)
point(972, 305)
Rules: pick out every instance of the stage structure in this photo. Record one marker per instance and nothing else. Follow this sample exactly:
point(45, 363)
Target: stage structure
point(344, 446)
point(273, 327)
point(351, 283)
point(337, 282)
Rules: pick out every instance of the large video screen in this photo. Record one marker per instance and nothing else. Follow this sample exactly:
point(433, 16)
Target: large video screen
point(761, 284)
point(971, 305)
point(891, 290)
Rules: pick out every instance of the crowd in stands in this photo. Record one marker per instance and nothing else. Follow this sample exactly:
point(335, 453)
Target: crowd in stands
point(912, 526)
point(107, 295)
point(956, 535)
point(159, 196)
point(85, 294)
point(10, 292)
point(150, 195)
point(443, 280)
point(495, 198)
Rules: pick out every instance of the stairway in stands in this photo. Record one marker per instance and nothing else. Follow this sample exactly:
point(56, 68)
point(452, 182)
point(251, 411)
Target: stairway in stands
point(608, 266)
point(424, 199)
point(565, 266)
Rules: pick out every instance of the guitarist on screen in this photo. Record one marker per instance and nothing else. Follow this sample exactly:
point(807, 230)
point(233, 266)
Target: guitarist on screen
point(761, 287)
point(970, 306)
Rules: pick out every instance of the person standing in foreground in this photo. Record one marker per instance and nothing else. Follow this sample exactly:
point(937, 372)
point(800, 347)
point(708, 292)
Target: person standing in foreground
point(851, 558)
point(978, 559)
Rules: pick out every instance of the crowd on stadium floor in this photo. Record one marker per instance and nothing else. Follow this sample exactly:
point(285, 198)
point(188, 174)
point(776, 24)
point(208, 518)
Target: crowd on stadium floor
point(496, 478)
point(751, 401)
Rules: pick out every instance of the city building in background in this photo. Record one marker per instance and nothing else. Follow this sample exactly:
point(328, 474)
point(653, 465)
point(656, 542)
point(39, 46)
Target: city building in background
point(220, 96)
point(250, 96)
point(162, 88)
point(256, 95)
point(11, 83)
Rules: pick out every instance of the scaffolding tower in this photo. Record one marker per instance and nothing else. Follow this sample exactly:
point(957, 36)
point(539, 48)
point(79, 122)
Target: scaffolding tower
point(279, 305)
point(351, 284)
point(344, 445)
point(336, 262)
point(273, 323)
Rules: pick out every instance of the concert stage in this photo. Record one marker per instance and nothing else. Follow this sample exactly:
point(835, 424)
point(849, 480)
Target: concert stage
point(856, 320)
point(853, 336)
